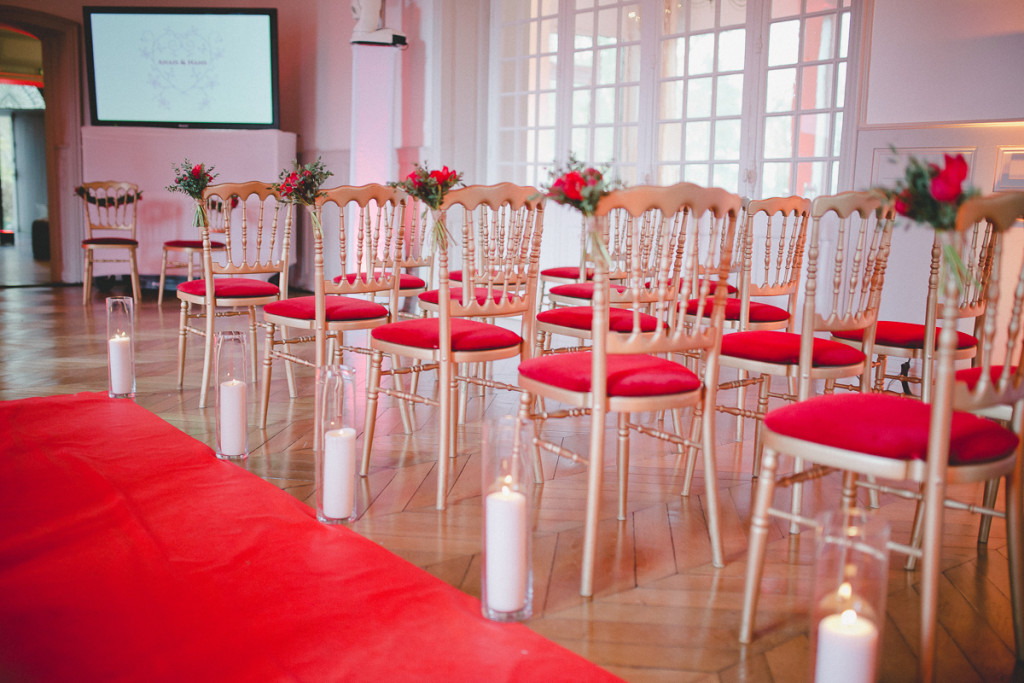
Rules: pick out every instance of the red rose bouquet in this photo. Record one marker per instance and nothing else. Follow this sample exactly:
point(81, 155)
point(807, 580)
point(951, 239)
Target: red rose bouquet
point(301, 185)
point(581, 187)
point(430, 187)
point(192, 179)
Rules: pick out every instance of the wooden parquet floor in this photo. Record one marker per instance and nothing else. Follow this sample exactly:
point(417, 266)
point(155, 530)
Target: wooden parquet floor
point(661, 612)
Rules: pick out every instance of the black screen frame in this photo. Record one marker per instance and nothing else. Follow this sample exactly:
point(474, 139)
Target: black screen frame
point(89, 11)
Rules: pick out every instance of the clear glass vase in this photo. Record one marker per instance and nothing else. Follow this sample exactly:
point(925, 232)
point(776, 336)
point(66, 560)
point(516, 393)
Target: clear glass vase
point(231, 372)
point(121, 347)
point(335, 444)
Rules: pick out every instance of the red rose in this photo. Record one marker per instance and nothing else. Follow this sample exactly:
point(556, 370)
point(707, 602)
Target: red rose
point(956, 168)
point(593, 176)
point(902, 203)
point(572, 186)
point(197, 171)
point(944, 188)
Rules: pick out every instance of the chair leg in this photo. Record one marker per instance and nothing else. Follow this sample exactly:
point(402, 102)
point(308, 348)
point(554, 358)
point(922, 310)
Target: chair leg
point(253, 353)
point(444, 396)
point(136, 286)
point(372, 387)
point(708, 444)
point(934, 497)
point(623, 463)
point(207, 355)
point(989, 501)
point(163, 279)
point(1015, 551)
point(916, 529)
point(741, 401)
point(87, 282)
point(268, 370)
point(525, 404)
point(763, 388)
point(182, 341)
point(289, 370)
point(595, 473)
point(758, 544)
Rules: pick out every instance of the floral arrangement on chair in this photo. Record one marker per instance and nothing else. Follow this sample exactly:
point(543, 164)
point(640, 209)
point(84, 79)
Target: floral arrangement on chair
point(581, 187)
point(103, 202)
point(192, 179)
point(301, 185)
point(932, 195)
point(430, 187)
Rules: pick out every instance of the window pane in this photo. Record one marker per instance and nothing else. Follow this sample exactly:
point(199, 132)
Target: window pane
point(732, 13)
point(548, 36)
point(673, 55)
point(670, 142)
point(785, 8)
point(727, 176)
point(841, 85)
point(698, 140)
point(814, 135)
point(546, 115)
point(819, 38)
point(627, 145)
point(727, 140)
point(580, 107)
point(584, 37)
point(629, 60)
point(702, 15)
point(837, 135)
point(668, 175)
point(630, 23)
point(606, 66)
point(844, 35)
point(582, 72)
point(546, 145)
point(781, 90)
point(776, 180)
point(816, 87)
point(580, 145)
point(702, 53)
point(698, 98)
point(671, 100)
point(696, 173)
point(811, 178)
point(531, 110)
point(731, 49)
point(783, 43)
point(604, 145)
point(729, 98)
point(604, 105)
point(607, 26)
point(629, 103)
point(778, 137)
point(820, 5)
point(548, 76)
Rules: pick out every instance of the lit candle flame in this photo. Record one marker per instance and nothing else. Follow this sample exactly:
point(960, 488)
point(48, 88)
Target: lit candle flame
point(848, 617)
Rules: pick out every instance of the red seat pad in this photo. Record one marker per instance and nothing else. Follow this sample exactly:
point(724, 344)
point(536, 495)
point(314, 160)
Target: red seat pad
point(581, 290)
point(405, 280)
point(230, 287)
point(582, 318)
point(970, 376)
point(112, 241)
point(759, 312)
point(628, 374)
point(567, 272)
point(481, 293)
point(467, 335)
point(904, 335)
point(889, 427)
point(772, 346)
point(150, 560)
point(336, 308)
point(191, 244)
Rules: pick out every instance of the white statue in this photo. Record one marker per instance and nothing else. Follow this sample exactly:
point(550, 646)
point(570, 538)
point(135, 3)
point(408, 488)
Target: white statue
point(369, 15)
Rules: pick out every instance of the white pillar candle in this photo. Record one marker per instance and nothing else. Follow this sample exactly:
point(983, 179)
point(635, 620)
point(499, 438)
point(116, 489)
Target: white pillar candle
point(339, 472)
point(847, 648)
point(119, 358)
point(506, 532)
point(233, 422)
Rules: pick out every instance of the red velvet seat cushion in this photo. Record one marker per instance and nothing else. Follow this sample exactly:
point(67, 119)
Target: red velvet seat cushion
point(336, 308)
point(230, 287)
point(759, 312)
point(111, 242)
point(191, 244)
point(566, 272)
point(455, 275)
point(432, 296)
point(628, 374)
point(889, 427)
point(467, 335)
point(582, 318)
point(904, 335)
point(405, 280)
point(581, 290)
point(970, 376)
point(784, 348)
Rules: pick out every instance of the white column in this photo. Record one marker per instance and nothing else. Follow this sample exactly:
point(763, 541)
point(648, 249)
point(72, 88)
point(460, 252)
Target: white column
point(374, 104)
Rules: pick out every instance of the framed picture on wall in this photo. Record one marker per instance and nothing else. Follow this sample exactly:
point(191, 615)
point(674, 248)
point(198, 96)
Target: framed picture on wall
point(1009, 169)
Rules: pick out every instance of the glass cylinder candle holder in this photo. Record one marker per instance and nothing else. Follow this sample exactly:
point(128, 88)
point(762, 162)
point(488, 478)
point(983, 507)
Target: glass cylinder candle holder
point(850, 585)
point(335, 444)
point(507, 488)
point(121, 347)
point(231, 374)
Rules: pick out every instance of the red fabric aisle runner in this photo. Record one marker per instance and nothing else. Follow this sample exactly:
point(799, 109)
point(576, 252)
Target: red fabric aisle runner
point(129, 552)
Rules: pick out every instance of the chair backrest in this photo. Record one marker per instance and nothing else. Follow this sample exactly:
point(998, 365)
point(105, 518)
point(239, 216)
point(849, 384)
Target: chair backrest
point(215, 214)
point(677, 245)
point(847, 253)
point(256, 239)
point(772, 251)
point(500, 236)
point(111, 208)
point(366, 246)
point(998, 376)
point(416, 248)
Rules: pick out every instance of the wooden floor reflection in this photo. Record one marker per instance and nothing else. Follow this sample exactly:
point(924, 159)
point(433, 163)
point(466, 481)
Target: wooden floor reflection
point(661, 612)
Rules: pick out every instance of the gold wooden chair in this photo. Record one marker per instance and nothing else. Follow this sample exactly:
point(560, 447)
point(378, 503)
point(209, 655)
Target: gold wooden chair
point(505, 221)
point(366, 250)
point(665, 238)
point(182, 254)
point(111, 210)
point(895, 438)
point(257, 244)
point(849, 245)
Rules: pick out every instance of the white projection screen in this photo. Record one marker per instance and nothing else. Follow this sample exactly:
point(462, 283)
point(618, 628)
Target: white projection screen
point(182, 67)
